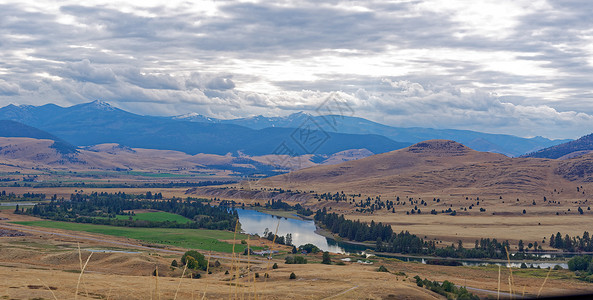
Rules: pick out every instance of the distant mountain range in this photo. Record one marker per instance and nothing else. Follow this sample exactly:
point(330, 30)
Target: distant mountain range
point(98, 122)
point(567, 150)
point(499, 143)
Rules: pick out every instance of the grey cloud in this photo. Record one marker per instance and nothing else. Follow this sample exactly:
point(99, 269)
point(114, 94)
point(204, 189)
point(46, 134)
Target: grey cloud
point(150, 81)
point(8, 89)
point(221, 84)
point(86, 72)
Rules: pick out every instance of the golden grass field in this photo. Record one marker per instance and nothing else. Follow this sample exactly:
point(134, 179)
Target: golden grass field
point(40, 262)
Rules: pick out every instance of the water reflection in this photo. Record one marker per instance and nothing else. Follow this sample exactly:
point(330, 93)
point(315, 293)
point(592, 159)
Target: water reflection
point(303, 231)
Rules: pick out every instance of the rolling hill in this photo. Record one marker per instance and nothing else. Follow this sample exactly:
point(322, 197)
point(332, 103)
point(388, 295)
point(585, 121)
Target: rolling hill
point(440, 167)
point(27, 153)
point(15, 129)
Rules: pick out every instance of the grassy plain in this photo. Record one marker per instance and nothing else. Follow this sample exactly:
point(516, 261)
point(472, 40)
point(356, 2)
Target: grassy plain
point(202, 239)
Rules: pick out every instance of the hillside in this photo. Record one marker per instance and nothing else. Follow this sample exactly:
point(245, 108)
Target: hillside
point(440, 167)
point(570, 149)
point(26, 153)
point(15, 129)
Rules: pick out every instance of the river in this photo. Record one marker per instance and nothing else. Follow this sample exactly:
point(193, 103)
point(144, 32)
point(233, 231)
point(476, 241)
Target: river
point(304, 232)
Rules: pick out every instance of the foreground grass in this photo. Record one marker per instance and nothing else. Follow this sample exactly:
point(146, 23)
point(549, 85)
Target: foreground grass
point(160, 216)
point(202, 239)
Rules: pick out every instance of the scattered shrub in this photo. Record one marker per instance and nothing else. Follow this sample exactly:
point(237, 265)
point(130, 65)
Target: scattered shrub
point(326, 258)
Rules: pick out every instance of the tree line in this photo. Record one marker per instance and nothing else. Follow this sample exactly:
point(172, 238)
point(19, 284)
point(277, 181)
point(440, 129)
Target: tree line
point(4, 196)
point(572, 244)
point(386, 240)
point(101, 208)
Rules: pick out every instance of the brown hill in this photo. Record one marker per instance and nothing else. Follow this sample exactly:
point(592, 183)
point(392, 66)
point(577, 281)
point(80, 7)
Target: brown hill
point(440, 167)
point(27, 153)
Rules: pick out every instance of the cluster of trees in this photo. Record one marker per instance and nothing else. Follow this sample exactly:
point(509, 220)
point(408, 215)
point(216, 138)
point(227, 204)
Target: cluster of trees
point(484, 248)
point(447, 289)
point(338, 196)
point(353, 230)
point(4, 196)
point(291, 260)
point(572, 244)
point(582, 266)
point(279, 204)
point(101, 208)
point(309, 248)
point(278, 239)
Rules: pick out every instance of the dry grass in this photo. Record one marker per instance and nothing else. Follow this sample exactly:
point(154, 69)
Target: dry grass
point(37, 257)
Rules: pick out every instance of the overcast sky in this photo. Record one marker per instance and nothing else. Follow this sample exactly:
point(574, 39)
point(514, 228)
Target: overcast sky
point(516, 67)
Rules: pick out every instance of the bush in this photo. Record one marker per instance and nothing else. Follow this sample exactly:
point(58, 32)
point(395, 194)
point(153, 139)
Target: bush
point(275, 266)
point(523, 266)
point(310, 248)
point(326, 258)
point(292, 276)
point(448, 286)
point(382, 269)
point(579, 263)
point(419, 281)
point(174, 263)
point(194, 260)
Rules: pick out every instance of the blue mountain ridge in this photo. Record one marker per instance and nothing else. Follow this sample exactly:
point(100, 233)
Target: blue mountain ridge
point(500, 143)
point(98, 122)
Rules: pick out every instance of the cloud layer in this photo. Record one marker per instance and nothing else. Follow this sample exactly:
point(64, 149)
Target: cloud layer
point(517, 67)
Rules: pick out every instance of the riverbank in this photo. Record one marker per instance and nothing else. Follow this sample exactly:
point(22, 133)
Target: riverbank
point(327, 234)
point(289, 214)
point(476, 260)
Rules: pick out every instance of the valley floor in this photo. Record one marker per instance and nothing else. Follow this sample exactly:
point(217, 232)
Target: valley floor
point(44, 261)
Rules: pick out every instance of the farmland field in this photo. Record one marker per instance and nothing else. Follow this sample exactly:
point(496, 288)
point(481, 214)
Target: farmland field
point(156, 217)
point(202, 239)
